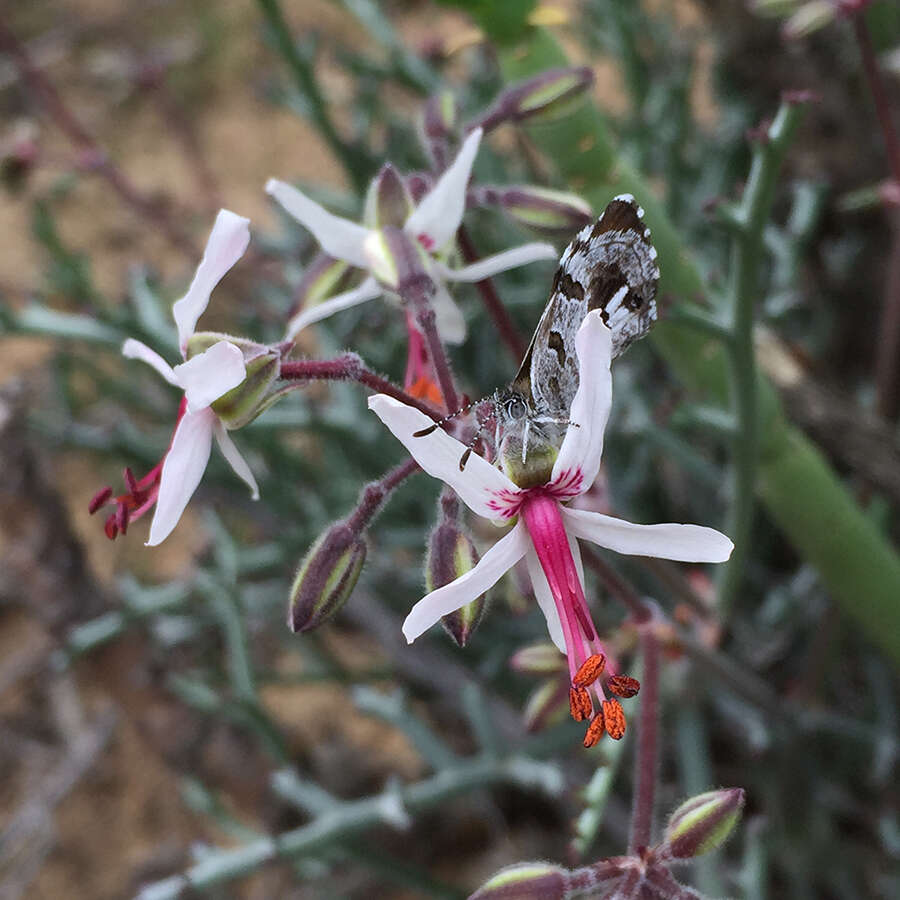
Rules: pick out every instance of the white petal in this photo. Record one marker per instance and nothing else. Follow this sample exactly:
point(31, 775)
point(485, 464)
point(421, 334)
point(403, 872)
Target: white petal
point(582, 447)
point(210, 374)
point(368, 290)
point(182, 470)
point(235, 460)
point(338, 237)
point(441, 211)
point(480, 486)
point(498, 560)
point(448, 317)
point(684, 543)
point(499, 262)
point(137, 350)
point(544, 597)
point(226, 245)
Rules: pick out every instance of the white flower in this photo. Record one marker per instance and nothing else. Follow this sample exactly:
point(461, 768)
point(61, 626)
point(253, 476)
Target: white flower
point(546, 532)
point(204, 378)
point(433, 223)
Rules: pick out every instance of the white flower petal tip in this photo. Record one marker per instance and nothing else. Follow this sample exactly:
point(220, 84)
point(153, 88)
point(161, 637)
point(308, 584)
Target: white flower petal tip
point(367, 290)
point(235, 459)
point(227, 243)
point(435, 220)
point(133, 349)
point(500, 262)
point(337, 236)
point(207, 376)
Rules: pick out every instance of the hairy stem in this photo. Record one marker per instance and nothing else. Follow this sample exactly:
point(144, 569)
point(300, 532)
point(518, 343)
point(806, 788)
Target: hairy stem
point(646, 760)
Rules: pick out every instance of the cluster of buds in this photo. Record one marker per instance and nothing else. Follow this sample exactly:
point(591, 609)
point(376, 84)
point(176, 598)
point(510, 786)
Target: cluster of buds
point(698, 826)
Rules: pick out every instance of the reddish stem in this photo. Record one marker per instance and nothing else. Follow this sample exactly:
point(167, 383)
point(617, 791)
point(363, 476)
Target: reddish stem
point(92, 151)
point(350, 368)
point(376, 492)
point(505, 326)
point(645, 769)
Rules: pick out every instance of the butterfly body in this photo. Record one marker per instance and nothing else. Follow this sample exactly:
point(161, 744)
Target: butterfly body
point(610, 266)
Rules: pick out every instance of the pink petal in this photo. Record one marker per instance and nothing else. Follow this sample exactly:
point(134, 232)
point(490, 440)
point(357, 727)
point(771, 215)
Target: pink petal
point(207, 376)
point(490, 568)
point(138, 350)
point(500, 262)
point(182, 470)
point(235, 460)
point(368, 290)
point(683, 543)
point(435, 220)
point(484, 489)
point(582, 446)
point(338, 237)
point(226, 245)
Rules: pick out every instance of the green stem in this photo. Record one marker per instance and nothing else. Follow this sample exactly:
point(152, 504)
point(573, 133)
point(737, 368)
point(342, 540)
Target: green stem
point(354, 165)
point(752, 214)
point(351, 818)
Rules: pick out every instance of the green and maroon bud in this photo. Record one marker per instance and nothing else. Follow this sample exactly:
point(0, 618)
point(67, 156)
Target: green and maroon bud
point(526, 881)
point(388, 202)
point(258, 391)
point(547, 705)
point(538, 659)
point(326, 577)
point(702, 823)
point(547, 211)
point(544, 94)
point(809, 18)
point(322, 278)
point(451, 554)
point(439, 125)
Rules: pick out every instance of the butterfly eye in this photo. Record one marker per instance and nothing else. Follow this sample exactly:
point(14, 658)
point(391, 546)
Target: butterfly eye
point(515, 408)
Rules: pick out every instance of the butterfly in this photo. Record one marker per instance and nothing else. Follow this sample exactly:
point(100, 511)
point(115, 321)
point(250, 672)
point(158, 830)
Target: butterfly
point(610, 266)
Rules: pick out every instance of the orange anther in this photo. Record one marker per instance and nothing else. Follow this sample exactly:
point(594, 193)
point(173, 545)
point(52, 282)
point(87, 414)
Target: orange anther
point(614, 718)
point(595, 730)
point(623, 685)
point(579, 704)
point(589, 670)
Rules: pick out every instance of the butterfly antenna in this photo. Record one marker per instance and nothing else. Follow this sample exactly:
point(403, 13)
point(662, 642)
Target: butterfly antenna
point(471, 445)
point(434, 427)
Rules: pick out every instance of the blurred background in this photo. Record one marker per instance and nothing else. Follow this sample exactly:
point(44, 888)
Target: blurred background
point(153, 704)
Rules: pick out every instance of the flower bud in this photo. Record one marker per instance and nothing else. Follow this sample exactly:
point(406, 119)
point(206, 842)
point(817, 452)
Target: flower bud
point(545, 210)
point(438, 124)
point(538, 659)
point(257, 392)
point(388, 201)
point(548, 92)
point(450, 555)
point(326, 577)
point(547, 705)
point(321, 279)
point(703, 823)
point(774, 9)
point(525, 881)
point(810, 17)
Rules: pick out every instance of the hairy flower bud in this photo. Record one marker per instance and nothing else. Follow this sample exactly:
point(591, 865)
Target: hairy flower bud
point(546, 93)
point(810, 17)
point(326, 577)
point(548, 211)
point(258, 391)
point(703, 823)
point(321, 279)
point(538, 659)
point(451, 554)
point(388, 202)
point(525, 881)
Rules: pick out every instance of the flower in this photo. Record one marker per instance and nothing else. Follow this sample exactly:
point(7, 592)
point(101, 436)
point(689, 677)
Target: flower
point(546, 530)
point(205, 377)
point(433, 223)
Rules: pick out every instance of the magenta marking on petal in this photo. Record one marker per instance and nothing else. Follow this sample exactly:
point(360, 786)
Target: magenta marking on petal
point(568, 484)
point(426, 241)
point(505, 502)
